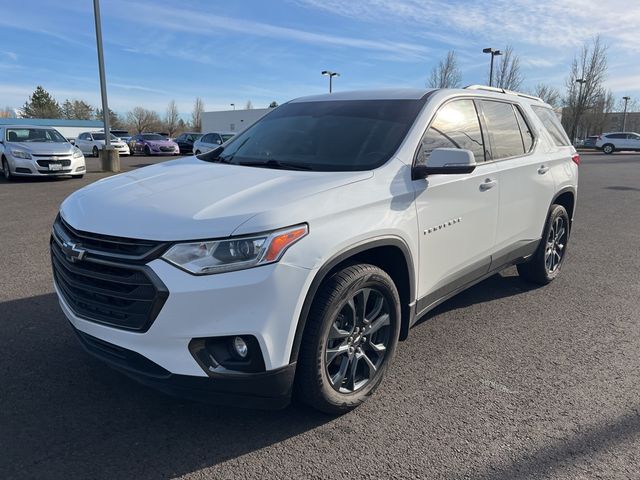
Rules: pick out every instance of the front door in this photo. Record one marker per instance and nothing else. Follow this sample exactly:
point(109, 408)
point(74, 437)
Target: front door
point(457, 214)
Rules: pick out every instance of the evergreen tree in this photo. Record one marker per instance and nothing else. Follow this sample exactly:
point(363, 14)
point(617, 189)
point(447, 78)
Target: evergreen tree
point(41, 105)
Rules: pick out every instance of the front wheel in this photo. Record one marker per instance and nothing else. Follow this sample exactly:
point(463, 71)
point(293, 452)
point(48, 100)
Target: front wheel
point(6, 171)
point(350, 337)
point(96, 153)
point(608, 149)
point(545, 264)
point(197, 152)
point(147, 150)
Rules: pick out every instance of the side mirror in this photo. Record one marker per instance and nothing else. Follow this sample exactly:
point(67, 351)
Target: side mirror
point(453, 161)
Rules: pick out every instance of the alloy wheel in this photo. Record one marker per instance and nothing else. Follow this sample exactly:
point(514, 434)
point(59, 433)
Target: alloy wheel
point(555, 247)
point(357, 341)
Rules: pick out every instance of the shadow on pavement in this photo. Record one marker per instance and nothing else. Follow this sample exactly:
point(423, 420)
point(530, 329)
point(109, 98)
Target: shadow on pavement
point(64, 414)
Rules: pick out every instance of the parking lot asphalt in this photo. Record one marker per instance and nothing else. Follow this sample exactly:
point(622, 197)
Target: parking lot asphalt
point(504, 381)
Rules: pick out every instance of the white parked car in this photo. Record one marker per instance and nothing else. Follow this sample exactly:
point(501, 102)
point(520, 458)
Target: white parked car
point(618, 141)
point(92, 142)
point(209, 141)
point(38, 152)
point(292, 259)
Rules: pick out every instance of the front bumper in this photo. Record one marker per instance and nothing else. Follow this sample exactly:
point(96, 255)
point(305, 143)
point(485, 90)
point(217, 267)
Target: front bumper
point(175, 151)
point(31, 167)
point(264, 302)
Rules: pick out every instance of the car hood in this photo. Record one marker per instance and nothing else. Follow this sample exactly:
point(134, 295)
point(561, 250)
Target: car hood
point(40, 148)
point(160, 143)
point(190, 199)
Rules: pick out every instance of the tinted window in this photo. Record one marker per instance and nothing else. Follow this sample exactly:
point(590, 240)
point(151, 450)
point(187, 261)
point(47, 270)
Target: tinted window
point(551, 123)
point(226, 136)
point(336, 135)
point(504, 132)
point(527, 135)
point(456, 125)
point(152, 136)
point(617, 135)
point(35, 135)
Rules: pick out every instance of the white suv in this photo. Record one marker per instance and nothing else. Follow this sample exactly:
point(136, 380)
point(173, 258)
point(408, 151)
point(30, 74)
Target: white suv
point(292, 259)
point(618, 141)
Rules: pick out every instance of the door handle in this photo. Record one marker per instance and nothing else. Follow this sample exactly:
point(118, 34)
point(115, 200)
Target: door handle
point(543, 169)
point(487, 184)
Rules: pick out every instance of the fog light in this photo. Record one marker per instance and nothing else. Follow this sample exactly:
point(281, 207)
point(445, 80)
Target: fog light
point(240, 347)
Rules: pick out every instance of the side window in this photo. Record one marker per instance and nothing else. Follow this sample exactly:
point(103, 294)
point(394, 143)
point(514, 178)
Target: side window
point(455, 125)
point(551, 123)
point(504, 132)
point(527, 134)
point(206, 138)
point(216, 139)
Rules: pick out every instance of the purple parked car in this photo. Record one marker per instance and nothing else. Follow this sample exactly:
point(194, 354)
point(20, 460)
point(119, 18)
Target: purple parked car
point(152, 144)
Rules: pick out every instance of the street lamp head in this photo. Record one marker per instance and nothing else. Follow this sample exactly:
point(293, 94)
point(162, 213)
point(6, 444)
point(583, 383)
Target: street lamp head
point(326, 72)
point(580, 80)
point(330, 73)
point(626, 99)
point(487, 50)
point(497, 52)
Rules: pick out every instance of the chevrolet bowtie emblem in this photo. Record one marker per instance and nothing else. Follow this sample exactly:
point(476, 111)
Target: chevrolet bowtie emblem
point(73, 251)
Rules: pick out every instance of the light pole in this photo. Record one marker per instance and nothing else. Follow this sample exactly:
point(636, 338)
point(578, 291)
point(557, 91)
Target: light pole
point(110, 157)
point(577, 113)
point(330, 74)
point(493, 54)
point(624, 115)
point(233, 105)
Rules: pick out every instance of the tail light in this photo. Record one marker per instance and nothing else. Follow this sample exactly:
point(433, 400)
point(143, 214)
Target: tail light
point(576, 158)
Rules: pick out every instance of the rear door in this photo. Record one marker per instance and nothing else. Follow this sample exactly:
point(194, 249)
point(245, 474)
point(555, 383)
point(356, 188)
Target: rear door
point(526, 182)
point(457, 214)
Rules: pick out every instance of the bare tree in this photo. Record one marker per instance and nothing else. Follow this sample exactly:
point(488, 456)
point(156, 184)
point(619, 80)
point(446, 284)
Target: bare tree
point(594, 119)
point(549, 94)
point(171, 118)
point(142, 120)
point(508, 75)
point(196, 115)
point(249, 105)
point(446, 74)
point(585, 83)
point(632, 105)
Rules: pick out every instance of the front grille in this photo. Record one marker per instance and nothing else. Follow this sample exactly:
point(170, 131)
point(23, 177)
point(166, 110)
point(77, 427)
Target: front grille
point(126, 294)
point(49, 155)
point(108, 246)
point(46, 163)
point(167, 149)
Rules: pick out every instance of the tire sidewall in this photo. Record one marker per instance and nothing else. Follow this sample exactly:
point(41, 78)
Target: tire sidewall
point(609, 148)
point(6, 170)
point(384, 284)
point(556, 211)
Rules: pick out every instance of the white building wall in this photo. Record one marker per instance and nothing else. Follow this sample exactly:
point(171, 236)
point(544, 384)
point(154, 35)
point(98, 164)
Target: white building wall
point(231, 120)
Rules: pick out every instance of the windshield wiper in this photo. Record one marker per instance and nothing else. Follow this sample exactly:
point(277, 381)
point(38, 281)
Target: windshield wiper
point(213, 156)
point(276, 164)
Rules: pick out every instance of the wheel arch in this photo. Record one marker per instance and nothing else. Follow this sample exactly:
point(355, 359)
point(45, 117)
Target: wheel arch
point(567, 198)
point(392, 254)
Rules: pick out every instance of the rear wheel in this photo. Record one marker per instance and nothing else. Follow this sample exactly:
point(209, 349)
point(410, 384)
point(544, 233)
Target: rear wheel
point(608, 149)
point(96, 152)
point(350, 338)
point(6, 171)
point(545, 264)
point(147, 150)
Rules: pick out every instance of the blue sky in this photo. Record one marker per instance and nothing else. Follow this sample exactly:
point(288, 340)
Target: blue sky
point(234, 51)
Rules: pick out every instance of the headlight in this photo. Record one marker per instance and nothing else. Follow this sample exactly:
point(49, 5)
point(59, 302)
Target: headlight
point(217, 256)
point(21, 154)
point(77, 153)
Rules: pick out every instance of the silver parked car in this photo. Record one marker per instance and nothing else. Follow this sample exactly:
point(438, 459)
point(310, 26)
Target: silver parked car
point(93, 142)
point(209, 141)
point(38, 152)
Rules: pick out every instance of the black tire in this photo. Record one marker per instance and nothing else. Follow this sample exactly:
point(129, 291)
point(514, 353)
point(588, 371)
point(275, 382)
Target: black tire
point(608, 148)
point(8, 176)
point(147, 150)
point(332, 326)
point(197, 152)
point(95, 151)
point(547, 261)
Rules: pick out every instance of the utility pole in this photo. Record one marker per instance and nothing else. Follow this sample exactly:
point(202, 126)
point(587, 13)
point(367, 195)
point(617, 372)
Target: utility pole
point(493, 53)
point(624, 115)
point(110, 158)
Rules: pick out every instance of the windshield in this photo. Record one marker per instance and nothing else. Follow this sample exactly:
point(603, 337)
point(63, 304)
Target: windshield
point(39, 135)
point(100, 136)
point(327, 135)
point(153, 136)
point(226, 136)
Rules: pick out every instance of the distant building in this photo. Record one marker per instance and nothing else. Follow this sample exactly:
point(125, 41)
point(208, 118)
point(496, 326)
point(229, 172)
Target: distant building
point(613, 122)
point(231, 120)
point(68, 128)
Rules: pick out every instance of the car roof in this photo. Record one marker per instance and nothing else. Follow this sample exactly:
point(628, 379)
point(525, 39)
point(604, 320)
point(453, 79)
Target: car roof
point(382, 94)
point(40, 127)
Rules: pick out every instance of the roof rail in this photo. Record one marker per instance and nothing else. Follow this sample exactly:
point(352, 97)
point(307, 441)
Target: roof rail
point(502, 90)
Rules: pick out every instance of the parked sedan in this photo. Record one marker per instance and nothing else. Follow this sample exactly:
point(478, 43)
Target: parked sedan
point(209, 141)
point(93, 142)
point(38, 152)
point(185, 141)
point(153, 144)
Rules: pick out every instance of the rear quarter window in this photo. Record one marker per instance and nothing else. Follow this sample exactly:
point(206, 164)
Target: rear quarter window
point(551, 123)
